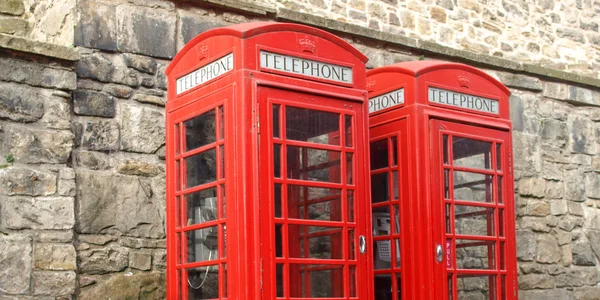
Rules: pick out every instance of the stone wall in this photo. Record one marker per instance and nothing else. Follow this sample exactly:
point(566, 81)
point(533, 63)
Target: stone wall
point(82, 139)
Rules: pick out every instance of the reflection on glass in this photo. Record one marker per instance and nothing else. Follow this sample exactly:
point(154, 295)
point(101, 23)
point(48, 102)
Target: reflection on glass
point(348, 128)
point(224, 241)
point(352, 272)
point(278, 240)
point(221, 123)
point(177, 212)
point(222, 161)
point(279, 279)
point(471, 153)
point(313, 276)
point(277, 201)
point(351, 245)
point(499, 157)
point(379, 187)
point(177, 176)
point(395, 184)
point(448, 212)
point(277, 160)
point(501, 222)
point(203, 244)
point(314, 203)
point(476, 286)
point(223, 203)
point(396, 220)
point(302, 124)
point(500, 190)
point(313, 164)
point(276, 121)
point(177, 135)
point(475, 254)
point(384, 287)
point(472, 186)
point(315, 242)
point(203, 282)
point(450, 287)
point(445, 148)
point(200, 130)
point(201, 206)
point(349, 165)
point(394, 141)
point(379, 154)
point(350, 199)
point(471, 220)
point(446, 183)
point(201, 168)
point(397, 249)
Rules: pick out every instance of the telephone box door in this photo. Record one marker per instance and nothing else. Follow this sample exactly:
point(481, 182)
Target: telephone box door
point(470, 167)
point(310, 204)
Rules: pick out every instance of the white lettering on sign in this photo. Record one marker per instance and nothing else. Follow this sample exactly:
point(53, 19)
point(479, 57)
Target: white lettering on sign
point(205, 73)
point(471, 102)
point(384, 101)
point(306, 67)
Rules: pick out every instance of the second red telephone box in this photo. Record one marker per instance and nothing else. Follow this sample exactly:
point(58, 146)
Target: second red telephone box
point(442, 183)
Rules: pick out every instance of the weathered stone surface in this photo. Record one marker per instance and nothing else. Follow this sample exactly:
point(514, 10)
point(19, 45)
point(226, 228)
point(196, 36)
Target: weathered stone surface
point(160, 259)
point(146, 31)
point(521, 82)
point(140, 260)
point(97, 239)
point(101, 195)
point(91, 159)
point(555, 294)
point(15, 264)
point(147, 82)
point(583, 96)
point(37, 213)
point(100, 67)
point(555, 132)
point(547, 249)
point(594, 238)
point(36, 74)
point(141, 63)
point(538, 208)
point(144, 98)
point(12, 7)
point(526, 245)
point(54, 283)
point(90, 103)
point(574, 183)
point(577, 276)
point(582, 136)
point(58, 113)
point(534, 187)
point(535, 281)
point(101, 136)
point(97, 26)
point(569, 223)
point(29, 145)
point(120, 91)
point(12, 25)
point(47, 236)
point(66, 188)
point(139, 168)
point(26, 182)
point(103, 260)
point(191, 26)
point(526, 149)
point(556, 90)
point(143, 122)
point(20, 103)
point(161, 77)
point(587, 293)
point(575, 209)
point(567, 255)
point(137, 286)
point(139, 243)
point(58, 257)
point(558, 207)
point(582, 253)
point(516, 112)
point(592, 185)
point(528, 268)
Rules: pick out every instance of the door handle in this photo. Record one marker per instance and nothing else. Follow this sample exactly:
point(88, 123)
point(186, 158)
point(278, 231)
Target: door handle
point(439, 253)
point(362, 244)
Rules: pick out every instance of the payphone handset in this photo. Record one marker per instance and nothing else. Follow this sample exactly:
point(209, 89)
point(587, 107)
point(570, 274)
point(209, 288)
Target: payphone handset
point(381, 227)
point(205, 240)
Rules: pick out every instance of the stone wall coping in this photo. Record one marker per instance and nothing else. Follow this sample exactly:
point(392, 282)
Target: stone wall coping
point(45, 49)
point(283, 14)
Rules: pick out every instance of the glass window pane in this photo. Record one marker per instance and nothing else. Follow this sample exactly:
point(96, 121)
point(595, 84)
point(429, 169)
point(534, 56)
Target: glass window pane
point(224, 270)
point(177, 212)
point(383, 254)
point(475, 254)
point(278, 240)
point(200, 130)
point(223, 203)
point(221, 123)
point(501, 222)
point(178, 248)
point(348, 128)
point(381, 221)
point(471, 220)
point(446, 184)
point(201, 168)
point(349, 167)
point(277, 198)
point(448, 213)
point(397, 250)
point(201, 206)
point(177, 176)
point(395, 184)
point(276, 132)
point(315, 242)
point(203, 244)
point(394, 141)
point(279, 279)
point(203, 282)
point(379, 154)
point(352, 281)
point(450, 287)
point(350, 199)
point(222, 161)
point(396, 228)
point(313, 126)
point(224, 241)
point(176, 136)
point(476, 287)
point(313, 164)
point(383, 287)
point(445, 148)
point(277, 160)
point(317, 281)
point(472, 186)
point(379, 187)
point(499, 157)
point(471, 153)
point(351, 245)
point(314, 203)
point(500, 190)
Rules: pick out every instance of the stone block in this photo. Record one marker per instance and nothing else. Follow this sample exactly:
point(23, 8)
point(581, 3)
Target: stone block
point(192, 25)
point(142, 129)
point(527, 153)
point(571, 34)
point(58, 113)
point(587, 293)
point(90, 103)
point(569, 223)
point(139, 243)
point(528, 268)
point(161, 77)
point(516, 112)
point(554, 132)
point(103, 260)
point(552, 171)
point(582, 135)
point(57, 257)
point(140, 63)
point(140, 260)
point(119, 91)
point(582, 253)
point(533, 187)
point(91, 160)
point(538, 208)
point(563, 237)
point(575, 208)
point(583, 96)
point(554, 189)
point(54, 283)
point(160, 259)
point(20, 103)
point(146, 31)
point(139, 168)
point(522, 82)
point(576, 277)
point(558, 207)
point(101, 67)
point(535, 281)
point(36, 74)
point(145, 98)
point(101, 135)
point(101, 195)
point(97, 26)
point(13, 26)
point(554, 294)
point(567, 255)
point(96, 239)
point(547, 249)
point(594, 238)
point(15, 263)
point(526, 245)
point(149, 286)
point(554, 90)
point(32, 145)
point(147, 82)
point(592, 185)
point(47, 236)
point(574, 183)
point(67, 188)
point(37, 213)
point(12, 7)
point(26, 182)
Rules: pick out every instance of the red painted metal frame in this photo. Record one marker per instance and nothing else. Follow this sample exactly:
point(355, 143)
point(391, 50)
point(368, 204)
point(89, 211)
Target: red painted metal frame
point(423, 210)
point(248, 161)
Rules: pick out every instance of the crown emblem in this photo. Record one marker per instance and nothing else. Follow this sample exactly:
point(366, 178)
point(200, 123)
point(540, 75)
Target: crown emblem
point(464, 81)
point(370, 84)
point(201, 51)
point(307, 45)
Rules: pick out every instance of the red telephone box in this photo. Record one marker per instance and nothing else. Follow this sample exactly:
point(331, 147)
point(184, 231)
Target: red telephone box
point(442, 183)
point(267, 183)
